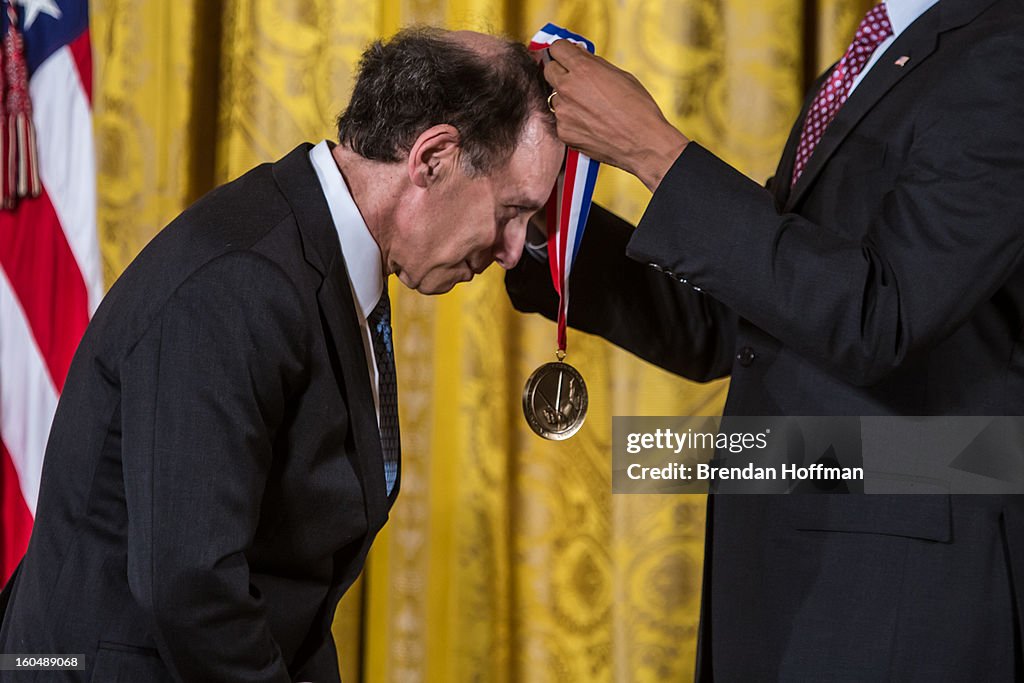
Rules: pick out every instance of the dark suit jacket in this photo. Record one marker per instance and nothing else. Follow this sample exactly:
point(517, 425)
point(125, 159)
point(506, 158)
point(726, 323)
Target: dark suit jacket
point(213, 478)
point(888, 281)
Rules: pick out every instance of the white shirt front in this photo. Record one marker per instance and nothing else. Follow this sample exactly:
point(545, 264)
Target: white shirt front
point(902, 13)
point(358, 248)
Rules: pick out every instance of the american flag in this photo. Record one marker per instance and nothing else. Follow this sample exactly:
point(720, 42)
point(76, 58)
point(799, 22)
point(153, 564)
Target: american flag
point(50, 271)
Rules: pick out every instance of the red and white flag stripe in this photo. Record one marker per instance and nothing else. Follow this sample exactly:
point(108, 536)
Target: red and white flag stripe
point(51, 281)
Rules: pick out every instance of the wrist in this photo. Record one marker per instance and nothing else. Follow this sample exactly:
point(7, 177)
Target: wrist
point(661, 150)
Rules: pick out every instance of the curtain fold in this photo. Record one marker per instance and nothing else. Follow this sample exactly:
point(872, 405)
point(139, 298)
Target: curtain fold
point(506, 558)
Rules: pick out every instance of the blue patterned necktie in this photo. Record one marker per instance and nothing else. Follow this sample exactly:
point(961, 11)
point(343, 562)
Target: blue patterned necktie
point(379, 321)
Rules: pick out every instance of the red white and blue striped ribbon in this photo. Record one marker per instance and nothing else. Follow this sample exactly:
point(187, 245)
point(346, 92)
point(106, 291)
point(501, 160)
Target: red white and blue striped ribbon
point(569, 205)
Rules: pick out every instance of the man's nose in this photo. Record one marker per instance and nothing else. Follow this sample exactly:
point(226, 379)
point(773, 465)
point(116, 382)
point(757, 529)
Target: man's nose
point(510, 245)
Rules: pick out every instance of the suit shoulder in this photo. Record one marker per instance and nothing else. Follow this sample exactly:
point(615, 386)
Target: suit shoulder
point(238, 213)
point(975, 65)
point(244, 224)
point(1001, 23)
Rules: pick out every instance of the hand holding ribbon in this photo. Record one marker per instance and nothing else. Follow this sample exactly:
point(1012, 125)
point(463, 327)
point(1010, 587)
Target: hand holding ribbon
point(608, 114)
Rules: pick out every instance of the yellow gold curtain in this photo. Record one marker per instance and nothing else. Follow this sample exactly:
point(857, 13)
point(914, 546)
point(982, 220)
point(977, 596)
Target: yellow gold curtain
point(506, 558)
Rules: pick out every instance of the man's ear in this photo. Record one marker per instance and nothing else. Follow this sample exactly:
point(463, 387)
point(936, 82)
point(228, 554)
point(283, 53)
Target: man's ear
point(436, 152)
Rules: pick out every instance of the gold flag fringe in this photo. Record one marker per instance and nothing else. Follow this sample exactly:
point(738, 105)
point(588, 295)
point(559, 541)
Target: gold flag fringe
point(19, 175)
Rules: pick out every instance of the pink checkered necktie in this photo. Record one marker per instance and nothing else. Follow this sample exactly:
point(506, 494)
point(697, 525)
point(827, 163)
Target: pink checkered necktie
point(874, 29)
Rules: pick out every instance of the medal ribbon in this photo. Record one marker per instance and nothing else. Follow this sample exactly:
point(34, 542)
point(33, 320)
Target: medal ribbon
point(569, 205)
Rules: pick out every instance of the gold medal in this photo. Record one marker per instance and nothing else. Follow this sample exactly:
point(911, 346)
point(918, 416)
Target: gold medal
point(555, 397)
point(555, 401)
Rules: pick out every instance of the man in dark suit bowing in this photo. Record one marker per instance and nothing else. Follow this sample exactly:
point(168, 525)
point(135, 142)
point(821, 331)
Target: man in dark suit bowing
point(880, 273)
point(226, 446)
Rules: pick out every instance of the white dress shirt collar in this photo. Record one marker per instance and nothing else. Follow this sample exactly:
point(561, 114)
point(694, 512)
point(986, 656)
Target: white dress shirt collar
point(360, 250)
point(902, 13)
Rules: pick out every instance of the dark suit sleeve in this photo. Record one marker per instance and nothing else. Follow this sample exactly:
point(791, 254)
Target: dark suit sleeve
point(946, 238)
point(631, 304)
point(204, 391)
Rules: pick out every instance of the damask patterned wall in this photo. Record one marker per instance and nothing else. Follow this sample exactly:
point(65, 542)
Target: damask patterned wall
point(506, 558)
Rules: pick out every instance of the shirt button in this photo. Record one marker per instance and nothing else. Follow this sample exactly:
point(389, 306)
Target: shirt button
point(746, 356)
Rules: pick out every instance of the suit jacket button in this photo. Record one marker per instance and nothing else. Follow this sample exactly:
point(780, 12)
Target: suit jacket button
point(746, 356)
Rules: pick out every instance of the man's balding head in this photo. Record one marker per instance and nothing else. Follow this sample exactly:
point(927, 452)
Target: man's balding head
point(485, 87)
point(485, 45)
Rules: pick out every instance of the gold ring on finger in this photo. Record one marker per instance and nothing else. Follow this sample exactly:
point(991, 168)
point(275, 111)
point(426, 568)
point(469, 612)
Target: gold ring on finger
point(551, 97)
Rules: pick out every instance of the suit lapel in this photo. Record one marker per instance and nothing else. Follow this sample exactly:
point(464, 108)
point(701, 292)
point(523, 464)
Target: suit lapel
point(781, 184)
point(301, 187)
point(338, 312)
point(917, 42)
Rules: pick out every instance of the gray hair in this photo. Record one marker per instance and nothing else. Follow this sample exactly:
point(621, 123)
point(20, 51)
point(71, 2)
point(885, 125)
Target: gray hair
point(423, 77)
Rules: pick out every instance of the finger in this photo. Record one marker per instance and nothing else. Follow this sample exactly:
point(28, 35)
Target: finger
point(555, 73)
point(555, 66)
point(569, 134)
point(567, 53)
point(609, 66)
point(553, 100)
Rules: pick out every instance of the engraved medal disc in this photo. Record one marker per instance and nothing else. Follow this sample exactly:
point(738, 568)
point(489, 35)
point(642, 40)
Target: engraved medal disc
point(555, 401)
